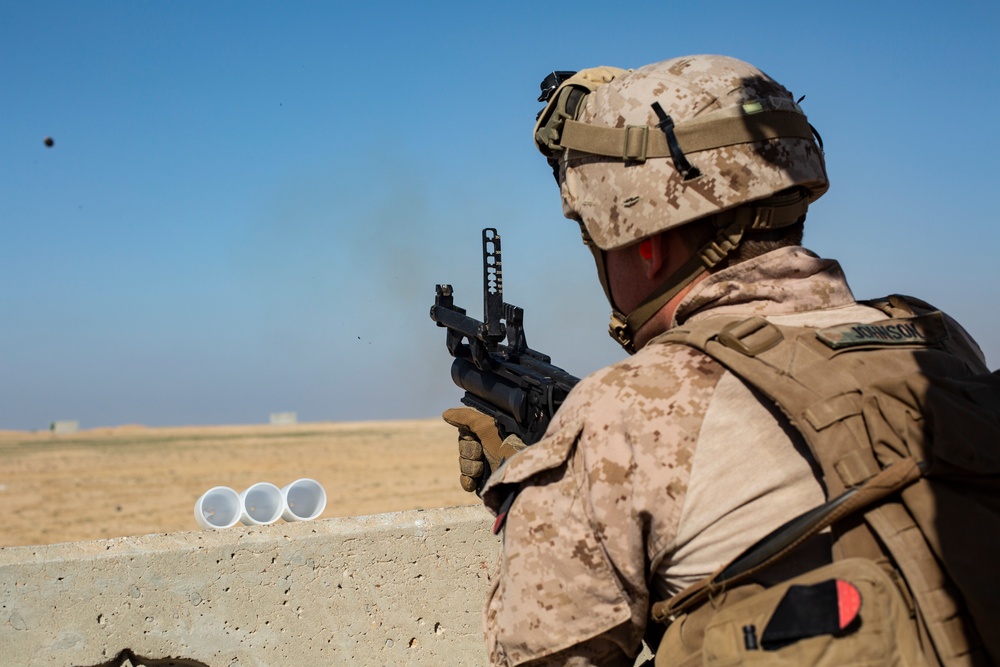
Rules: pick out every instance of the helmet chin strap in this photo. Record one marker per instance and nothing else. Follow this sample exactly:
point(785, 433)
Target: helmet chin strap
point(772, 213)
point(624, 327)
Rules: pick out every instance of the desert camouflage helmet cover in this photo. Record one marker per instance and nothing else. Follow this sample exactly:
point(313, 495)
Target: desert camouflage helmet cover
point(738, 136)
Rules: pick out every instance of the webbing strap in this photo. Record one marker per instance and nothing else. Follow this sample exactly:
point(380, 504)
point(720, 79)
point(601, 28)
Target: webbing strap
point(942, 618)
point(641, 142)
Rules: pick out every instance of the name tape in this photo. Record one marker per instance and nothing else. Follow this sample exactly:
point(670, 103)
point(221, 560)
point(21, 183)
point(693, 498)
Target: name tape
point(924, 330)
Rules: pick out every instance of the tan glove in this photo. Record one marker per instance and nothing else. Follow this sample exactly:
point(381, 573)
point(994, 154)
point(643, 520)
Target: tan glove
point(480, 449)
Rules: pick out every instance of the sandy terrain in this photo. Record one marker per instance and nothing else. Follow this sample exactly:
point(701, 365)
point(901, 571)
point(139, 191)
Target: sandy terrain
point(132, 480)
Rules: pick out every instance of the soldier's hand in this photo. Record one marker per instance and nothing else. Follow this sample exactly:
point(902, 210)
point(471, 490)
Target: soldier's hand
point(480, 448)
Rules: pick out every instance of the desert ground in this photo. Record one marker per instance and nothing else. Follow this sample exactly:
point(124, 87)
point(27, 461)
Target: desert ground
point(133, 480)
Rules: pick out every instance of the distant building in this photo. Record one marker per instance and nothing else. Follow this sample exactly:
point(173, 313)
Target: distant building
point(64, 426)
point(281, 418)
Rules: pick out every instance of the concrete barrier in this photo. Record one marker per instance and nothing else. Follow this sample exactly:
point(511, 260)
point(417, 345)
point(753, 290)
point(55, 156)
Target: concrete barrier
point(389, 589)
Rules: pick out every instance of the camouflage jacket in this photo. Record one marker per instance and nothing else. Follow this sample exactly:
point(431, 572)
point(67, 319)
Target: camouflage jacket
point(656, 471)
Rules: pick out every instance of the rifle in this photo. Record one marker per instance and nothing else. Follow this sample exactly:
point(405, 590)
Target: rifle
point(517, 386)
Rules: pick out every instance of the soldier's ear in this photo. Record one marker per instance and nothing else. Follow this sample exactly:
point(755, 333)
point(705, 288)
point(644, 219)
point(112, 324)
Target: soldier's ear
point(653, 253)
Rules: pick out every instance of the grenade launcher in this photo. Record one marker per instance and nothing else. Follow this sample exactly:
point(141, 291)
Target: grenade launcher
point(517, 386)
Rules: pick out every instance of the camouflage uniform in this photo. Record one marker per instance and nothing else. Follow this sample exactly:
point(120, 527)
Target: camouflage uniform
point(656, 471)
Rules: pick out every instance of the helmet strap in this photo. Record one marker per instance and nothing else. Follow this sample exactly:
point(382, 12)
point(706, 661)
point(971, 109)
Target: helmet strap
point(772, 213)
point(602, 271)
point(624, 327)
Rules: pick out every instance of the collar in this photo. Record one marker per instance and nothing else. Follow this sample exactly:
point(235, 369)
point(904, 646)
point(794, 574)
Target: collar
point(788, 280)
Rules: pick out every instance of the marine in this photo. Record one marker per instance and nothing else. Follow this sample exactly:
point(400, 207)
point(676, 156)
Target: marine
point(690, 180)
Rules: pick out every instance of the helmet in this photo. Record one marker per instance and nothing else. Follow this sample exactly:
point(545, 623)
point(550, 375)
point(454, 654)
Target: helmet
point(739, 136)
point(643, 151)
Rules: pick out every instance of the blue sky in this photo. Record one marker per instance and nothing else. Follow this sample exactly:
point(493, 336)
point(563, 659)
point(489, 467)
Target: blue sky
point(248, 204)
